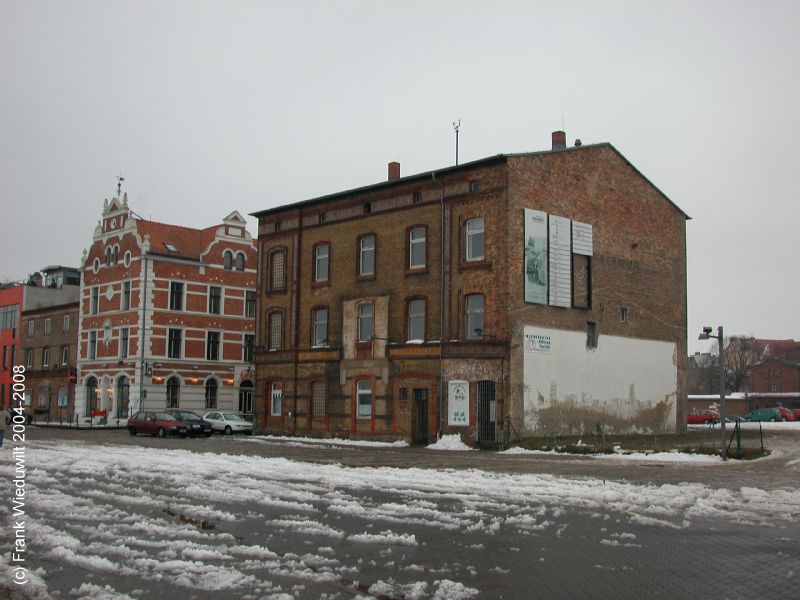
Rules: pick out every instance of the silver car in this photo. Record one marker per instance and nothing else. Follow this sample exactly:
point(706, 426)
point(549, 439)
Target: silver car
point(228, 422)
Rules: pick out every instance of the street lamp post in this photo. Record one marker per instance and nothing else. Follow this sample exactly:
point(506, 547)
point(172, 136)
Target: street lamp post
point(719, 337)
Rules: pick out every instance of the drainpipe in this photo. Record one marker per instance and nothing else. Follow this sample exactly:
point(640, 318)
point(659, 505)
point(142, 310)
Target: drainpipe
point(142, 329)
point(442, 300)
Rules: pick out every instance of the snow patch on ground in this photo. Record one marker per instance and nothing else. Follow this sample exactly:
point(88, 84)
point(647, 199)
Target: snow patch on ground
point(450, 442)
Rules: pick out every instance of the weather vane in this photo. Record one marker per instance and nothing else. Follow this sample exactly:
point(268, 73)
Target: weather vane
point(120, 179)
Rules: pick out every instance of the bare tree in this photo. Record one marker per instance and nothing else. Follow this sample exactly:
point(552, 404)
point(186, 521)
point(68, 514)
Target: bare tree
point(741, 354)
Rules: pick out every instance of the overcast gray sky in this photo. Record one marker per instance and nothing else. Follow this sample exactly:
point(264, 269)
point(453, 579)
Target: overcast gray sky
point(206, 107)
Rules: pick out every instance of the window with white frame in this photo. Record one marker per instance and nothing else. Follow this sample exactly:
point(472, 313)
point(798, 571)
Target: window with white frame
point(31, 327)
point(126, 295)
point(228, 260)
point(276, 398)
point(123, 342)
point(474, 231)
point(364, 398)
point(214, 299)
point(65, 325)
point(29, 359)
point(174, 345)
point(64, 356)
point(48, 325)
point(176, 295)
point(366, 255)
point(321, 260)
point(416, 320)
point(365, 321)
point(212, 345)
point(248, 347)
point(473, 310)
point(320, 327)
point(45, 357)
point(212, 391)
point(240, 260)
point(92, 345)
point(417, 251)
point(249, 303)
point(173, 392)
point(94, 301)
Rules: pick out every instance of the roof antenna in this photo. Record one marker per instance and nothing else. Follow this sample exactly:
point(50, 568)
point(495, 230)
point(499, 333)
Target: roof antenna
point(456, 125)
point(120, 179)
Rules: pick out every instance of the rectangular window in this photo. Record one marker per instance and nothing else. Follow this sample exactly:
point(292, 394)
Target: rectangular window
point(5, 357)
point(48, 326)
point(92, 345)
point(366, 255)
point(275, 330)
point(176, 295)
point(126, 295)
point(318, 399)
point(214, 299)
point(123, 342)
point(321, 259)
point(249, 304)
point(64, 356)
point(31, 327)
point(417, 248)
point(474, 239)
point(278, 270)
point(29, 359)
point(473, 308)
point(174, 345)
point(248, 347)
point(45, 357)
point(94, 301)
point(13, 357)
point(212, 345)
point(65, 324)
point(320, 328)
point(365, 322)
point(416, 320)
point(276, 398)
point(591, 335)
point(364, 399)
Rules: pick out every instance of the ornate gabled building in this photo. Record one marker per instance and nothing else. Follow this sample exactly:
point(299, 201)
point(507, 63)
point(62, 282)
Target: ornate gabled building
point(167, 316)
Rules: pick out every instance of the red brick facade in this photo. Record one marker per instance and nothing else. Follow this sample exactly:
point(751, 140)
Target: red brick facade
point(199, 297)
point(394, 383)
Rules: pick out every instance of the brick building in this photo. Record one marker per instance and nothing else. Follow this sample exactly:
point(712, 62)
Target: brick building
point(190, 343)
point(53, 286)
point(537, 291)
point(778, 370)
point(48, 347)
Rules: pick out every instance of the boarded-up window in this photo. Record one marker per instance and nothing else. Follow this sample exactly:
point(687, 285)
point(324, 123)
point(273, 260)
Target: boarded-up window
point(581, 281)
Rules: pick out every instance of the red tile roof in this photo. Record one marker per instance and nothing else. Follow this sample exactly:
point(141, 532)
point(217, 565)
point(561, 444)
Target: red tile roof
point(188, 242)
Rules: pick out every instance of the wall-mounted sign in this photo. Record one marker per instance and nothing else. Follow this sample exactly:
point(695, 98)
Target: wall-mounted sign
point(458, 403)
point(277, 399)
point(560, 246)
point(536, 343)
point(535, 256)
point(582, 240)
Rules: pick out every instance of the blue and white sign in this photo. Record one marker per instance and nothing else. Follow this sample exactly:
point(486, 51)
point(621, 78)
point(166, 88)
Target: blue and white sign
point(458, 403)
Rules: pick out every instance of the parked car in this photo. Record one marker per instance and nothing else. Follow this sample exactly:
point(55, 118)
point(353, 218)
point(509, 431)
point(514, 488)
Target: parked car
point(702, 416)
point(786, 413)
point(228, 422)
point(764, 414)
point(197, 424)
point(796, 413)
point(156, 423)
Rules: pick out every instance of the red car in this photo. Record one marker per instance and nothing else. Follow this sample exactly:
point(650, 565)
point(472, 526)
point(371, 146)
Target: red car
point(786, 413)
point(704, 417)
point(157, 423)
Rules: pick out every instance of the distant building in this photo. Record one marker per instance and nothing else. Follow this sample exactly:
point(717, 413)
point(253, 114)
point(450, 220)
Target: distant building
point(48, 348)
point(53, 286)
point(703, 373)
point(778, 370)
point(543, 291)
point(167, 316)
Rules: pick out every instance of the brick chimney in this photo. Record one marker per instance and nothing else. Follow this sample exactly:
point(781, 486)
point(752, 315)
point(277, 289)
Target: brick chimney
point(559, 140)
point(394, 170)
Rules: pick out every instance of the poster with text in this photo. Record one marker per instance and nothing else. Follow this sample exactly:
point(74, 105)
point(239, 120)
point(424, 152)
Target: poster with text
point(535, 256)
point(458, 403)
point(560, 246)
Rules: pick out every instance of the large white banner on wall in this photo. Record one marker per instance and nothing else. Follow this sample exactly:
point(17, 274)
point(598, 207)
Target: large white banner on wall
point(560, 246)
point(535, 256)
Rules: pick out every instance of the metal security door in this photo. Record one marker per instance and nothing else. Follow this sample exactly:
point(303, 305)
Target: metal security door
point(487, 414)
point(420, 416)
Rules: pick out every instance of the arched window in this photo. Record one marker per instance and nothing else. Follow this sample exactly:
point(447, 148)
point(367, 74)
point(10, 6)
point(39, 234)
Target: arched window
point(228, 257)
point(173, 392)
point(240, 261)
point(108, 256)
point(123, 391)
point(211, 393)
point(92, 392)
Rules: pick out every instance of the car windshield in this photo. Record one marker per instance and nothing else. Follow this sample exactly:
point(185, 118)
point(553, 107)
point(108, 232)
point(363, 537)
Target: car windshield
point(189, 416)
point(164, 417)
point(232, 417)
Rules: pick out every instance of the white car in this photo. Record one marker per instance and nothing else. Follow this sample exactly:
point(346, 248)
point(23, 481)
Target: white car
point(228, 422)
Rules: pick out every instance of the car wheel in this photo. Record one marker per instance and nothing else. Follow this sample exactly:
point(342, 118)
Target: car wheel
point(783, 419)
point(131, 430)
point(161, 432)
point(772, 419)
point(228, 430)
